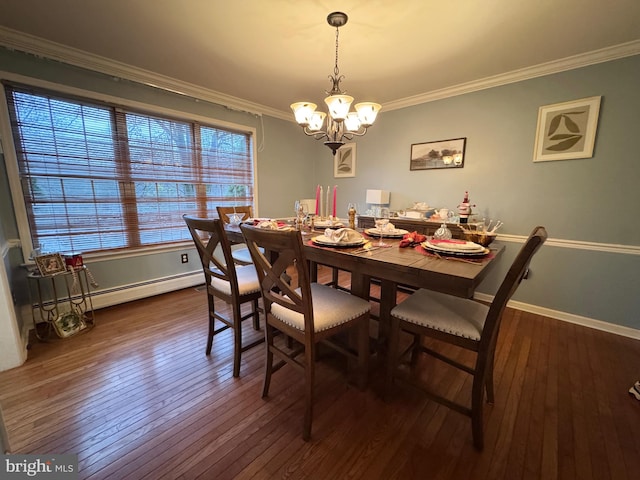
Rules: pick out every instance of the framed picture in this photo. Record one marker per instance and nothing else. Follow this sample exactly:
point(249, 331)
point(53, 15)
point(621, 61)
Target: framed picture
point(436, 155)
point(567, 130)
point(50, 264)
point(344, 161)
point(68, 323)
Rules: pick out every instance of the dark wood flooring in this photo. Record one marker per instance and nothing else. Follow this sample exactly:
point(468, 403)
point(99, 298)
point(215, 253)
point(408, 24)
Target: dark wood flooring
point(137, 398)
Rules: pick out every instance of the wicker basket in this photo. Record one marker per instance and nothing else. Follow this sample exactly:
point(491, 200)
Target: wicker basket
point(483, 239)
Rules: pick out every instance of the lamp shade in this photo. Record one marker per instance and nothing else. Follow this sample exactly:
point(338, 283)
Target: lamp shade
point(338, 106)
point(367, 112)
point(378, 197)
point(303, 111)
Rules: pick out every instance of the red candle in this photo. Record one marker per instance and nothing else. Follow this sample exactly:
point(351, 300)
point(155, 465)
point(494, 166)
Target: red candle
point(335, 194)
point(317, 199)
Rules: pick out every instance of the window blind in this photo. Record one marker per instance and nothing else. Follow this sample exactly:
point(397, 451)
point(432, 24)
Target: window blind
point(98, 177)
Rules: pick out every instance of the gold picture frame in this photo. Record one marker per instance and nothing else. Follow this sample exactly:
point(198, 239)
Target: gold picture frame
point(50, 264)
point(567, 130)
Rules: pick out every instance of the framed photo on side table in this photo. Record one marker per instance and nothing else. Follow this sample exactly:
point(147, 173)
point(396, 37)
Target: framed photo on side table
point(567, 130)
point(50, 264)
point(344, 161)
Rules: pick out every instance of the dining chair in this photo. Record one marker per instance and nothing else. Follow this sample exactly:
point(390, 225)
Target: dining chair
point(235, 285)
point(309, 313)
point(462, 322)
point(239, 252)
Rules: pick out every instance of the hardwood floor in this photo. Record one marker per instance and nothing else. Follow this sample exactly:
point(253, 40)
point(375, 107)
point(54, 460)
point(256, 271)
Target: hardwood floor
point(137, 398)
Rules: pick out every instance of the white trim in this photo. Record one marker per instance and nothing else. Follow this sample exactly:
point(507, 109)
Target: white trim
point(11, 159)
point(8, 245)
point(569, 63)
point(578, 245)
point(13, 174)
point(567, 317)
point(24, 42)
point(131, 292)
point(14, 39)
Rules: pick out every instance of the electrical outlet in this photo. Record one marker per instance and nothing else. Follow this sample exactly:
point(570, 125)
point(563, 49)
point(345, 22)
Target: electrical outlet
point(184, 258)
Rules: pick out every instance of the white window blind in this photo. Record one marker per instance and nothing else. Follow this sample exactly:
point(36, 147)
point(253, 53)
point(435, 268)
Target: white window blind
point(99, 177)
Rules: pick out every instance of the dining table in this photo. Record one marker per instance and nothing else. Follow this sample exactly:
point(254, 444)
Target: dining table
point(394, 266)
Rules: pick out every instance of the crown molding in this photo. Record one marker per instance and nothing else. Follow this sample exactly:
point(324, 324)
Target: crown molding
point(569, 63)
point(39, 47)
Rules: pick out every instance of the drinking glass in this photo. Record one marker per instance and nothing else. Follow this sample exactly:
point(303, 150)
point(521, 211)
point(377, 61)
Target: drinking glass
point(382, 220)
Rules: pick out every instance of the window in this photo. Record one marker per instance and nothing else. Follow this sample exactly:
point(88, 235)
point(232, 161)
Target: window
point(98, 177)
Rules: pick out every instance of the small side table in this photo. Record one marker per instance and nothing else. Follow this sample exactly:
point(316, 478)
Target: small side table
point(61, 303)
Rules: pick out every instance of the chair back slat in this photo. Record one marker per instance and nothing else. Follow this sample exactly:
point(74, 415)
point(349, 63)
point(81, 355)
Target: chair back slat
point(210, 238)
point(224, 212)
point(283, 249)
point(510, 284)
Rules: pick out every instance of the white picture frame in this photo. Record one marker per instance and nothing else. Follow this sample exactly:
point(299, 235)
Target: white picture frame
point(567, 130)
point(344, 161)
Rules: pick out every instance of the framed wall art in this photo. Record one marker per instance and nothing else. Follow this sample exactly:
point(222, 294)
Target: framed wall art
point(437, 155)
point(50, 264)
point(567, 130)
point(344, 161)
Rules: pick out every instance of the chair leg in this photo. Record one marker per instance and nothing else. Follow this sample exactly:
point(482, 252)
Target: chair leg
point(477, 419)
point(237, 340)
point(489, 380)
point(256, 315)
point(415, 351)
point(211, 324)
point(309, 374)
point(334, 277)
point(392, 354)
point(363, 354)
point(268, 367)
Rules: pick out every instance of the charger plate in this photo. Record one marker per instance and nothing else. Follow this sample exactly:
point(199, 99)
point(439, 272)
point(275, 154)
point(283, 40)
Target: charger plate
point(324, 241)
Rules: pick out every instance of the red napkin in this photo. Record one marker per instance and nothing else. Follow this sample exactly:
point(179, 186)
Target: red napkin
point(413, 238)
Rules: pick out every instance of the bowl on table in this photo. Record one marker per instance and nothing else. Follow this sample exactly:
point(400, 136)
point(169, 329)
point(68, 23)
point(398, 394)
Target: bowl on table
point(481, 238)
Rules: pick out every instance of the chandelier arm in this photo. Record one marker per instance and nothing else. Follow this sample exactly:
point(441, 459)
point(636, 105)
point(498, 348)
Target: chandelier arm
point(316, 135)
point(361, 131)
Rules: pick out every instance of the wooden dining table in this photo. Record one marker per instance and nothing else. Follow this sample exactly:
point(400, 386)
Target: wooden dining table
point(394, 266)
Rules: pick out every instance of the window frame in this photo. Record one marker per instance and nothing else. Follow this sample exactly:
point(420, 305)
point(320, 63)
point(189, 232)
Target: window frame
point(11, 160)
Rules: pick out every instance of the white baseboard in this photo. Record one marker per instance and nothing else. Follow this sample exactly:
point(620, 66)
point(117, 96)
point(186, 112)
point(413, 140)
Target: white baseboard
point(128, 293)
point(568, 317)
point(131, 292)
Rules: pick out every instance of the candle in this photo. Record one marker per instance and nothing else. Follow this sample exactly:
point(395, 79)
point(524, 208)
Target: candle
point(326, 205)
point(321, 202)
point(335, 196)
point(317, 199)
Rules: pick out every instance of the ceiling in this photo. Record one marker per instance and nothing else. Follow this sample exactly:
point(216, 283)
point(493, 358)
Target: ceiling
point(270, 53)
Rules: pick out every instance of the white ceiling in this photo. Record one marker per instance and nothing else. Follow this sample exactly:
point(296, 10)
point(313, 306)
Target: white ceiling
point(274, 52)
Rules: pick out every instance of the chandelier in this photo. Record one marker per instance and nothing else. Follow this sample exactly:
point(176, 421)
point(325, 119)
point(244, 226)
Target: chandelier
point(341, 124)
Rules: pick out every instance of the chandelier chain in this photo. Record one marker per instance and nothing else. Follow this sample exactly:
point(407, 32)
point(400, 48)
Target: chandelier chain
point(335, 69)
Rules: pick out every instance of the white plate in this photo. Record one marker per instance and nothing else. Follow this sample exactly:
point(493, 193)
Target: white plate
point(481, 252)
point(327, 242)
point(396, 232)
point(466, 247)
point(327, 224)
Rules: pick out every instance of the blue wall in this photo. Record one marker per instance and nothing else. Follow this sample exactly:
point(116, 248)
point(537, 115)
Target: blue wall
point(588, 269)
